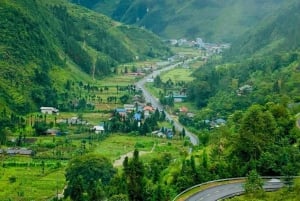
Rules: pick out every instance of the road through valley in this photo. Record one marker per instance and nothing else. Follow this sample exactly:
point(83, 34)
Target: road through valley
point(156, 104)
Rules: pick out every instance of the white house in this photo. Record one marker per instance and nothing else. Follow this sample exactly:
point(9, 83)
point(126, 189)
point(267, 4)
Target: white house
point(150, 80)
point(49, 110)
point(98, 129)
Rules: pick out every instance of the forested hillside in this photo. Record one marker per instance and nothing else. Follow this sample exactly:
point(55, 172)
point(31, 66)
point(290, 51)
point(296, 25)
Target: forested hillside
point(277, 33)
point(42, 43)
point(262, 66)
point(210, 19)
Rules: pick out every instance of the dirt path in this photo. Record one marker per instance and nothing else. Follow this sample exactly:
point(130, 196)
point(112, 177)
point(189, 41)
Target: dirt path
point(119, 161)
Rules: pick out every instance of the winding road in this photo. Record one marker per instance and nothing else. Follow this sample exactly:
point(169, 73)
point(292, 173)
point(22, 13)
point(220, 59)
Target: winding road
point(229, 190)
point(155, 102)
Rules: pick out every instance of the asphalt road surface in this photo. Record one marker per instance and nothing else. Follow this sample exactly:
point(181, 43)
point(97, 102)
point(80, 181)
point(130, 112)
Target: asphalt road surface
point(156, 104)
point(230, 190)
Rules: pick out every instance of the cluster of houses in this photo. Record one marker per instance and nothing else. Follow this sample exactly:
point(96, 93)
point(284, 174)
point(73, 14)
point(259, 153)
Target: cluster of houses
point(215, 123)
point(210, 48)
point(164, 133)
point(138, 109)
point(142, 71)
point(73, 121)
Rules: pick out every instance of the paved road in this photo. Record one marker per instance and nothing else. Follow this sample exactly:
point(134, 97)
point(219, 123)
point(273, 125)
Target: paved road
point(229, 190)
point(155, 102)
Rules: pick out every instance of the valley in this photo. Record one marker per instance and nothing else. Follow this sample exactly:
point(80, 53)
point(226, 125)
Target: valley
point(95, 106)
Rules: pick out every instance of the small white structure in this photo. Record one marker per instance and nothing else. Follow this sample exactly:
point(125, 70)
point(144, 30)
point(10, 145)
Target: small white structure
point(129, 107)
point(98, 129)
point(49, 110)
point(150, 80)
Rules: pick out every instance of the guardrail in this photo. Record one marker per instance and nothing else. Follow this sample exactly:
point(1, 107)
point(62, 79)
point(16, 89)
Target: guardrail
point(224, 180)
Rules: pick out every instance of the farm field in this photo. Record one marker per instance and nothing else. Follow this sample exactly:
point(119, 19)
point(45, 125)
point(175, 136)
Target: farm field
point(177, 75)
point(40, 179)
point(30, 179)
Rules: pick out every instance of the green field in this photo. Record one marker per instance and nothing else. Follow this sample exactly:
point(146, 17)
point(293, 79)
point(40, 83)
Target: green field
point(177, 75)
point(26, 174)
point(29, 182)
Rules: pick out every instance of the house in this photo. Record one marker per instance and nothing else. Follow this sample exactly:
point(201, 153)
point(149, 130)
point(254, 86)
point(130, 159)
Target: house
point(52, 131)
point(22, 151)
point(159, 134)
point(121, 111)
point(76, 121)
point(221, 121)
point(190, 115)
point(179, 98)
point(49, 110)
point(183, 109)
point(244, 89)
point(147, 110)
point(129, 107)
point(137, 116)
point(169, 134)
point(150, 80)
point(99, 129)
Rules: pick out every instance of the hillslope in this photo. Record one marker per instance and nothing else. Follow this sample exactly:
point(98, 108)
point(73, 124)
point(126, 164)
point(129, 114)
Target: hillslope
point(210, 19)
point(44, 43)
point(262, 66)
point(277, 33)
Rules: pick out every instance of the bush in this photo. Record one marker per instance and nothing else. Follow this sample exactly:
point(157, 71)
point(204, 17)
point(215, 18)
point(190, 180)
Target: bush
point(139, 145)
point(12, 179)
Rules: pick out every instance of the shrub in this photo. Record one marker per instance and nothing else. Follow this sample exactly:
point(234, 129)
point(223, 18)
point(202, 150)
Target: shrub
point(12, 179)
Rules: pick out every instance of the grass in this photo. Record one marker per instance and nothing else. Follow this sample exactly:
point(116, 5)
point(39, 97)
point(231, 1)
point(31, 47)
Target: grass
point(30, 182)
point(118, 144)
point(177, 75)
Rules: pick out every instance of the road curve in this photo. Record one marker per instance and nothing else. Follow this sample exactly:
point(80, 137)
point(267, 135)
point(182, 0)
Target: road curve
point(230, 190)
point(155, 102)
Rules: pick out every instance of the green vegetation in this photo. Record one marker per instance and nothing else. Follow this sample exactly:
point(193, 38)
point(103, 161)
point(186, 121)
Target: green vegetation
point(211, 19)
point(45, 44)
point(244, 103)
point(289, 194)
point(25, 179)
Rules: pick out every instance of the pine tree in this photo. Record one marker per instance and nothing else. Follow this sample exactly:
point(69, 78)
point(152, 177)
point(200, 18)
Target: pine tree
point(134, 172)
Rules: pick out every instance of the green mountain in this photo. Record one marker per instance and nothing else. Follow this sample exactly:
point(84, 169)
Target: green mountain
point(210, 19)
point(42, 44)
point(278, 32)
point(262, 66)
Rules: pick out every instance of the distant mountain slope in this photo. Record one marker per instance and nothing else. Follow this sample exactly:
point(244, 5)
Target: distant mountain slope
point(41, 42)
point(211, 19)
point(279, 32)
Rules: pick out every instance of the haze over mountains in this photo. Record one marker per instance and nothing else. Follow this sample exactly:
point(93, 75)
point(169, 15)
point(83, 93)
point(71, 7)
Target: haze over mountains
point(213, 20)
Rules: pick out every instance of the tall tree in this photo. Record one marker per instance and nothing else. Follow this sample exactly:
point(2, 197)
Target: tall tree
point(91, 168)
point(257, 131)
point(134, 171)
